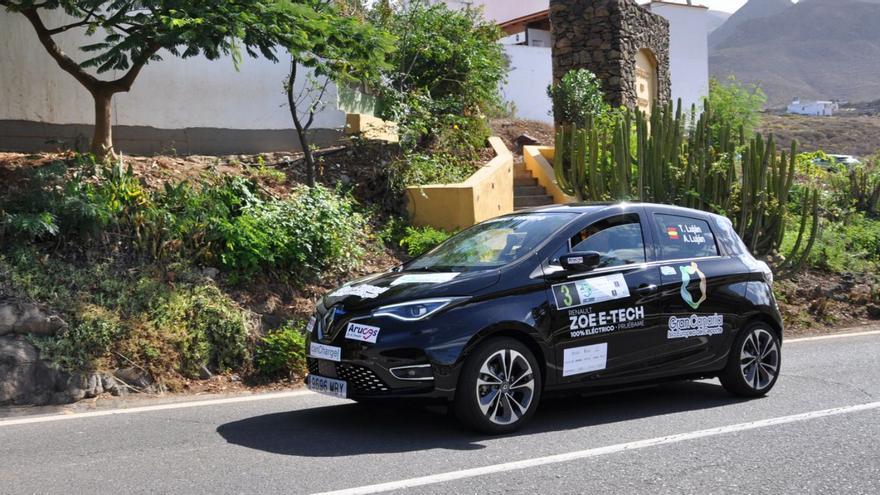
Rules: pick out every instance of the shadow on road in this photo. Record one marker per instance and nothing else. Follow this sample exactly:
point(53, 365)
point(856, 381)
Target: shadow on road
point(353, 429)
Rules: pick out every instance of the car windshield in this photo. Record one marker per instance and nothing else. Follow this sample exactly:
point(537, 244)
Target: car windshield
point(493, 243)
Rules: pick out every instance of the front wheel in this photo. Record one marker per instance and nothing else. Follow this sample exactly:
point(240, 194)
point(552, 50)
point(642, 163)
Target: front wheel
point(754, 363)
point(499, 387)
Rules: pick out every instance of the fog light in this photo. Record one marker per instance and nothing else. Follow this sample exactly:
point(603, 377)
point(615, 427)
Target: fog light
point(417, 372)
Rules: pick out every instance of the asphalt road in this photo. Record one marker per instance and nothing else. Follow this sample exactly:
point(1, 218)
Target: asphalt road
point(817, 432)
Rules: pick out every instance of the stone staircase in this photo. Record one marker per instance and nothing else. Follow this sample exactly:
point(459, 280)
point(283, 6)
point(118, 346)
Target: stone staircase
point(527, 193)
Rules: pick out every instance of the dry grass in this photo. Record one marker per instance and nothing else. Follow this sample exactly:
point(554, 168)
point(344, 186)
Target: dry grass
point(845, 135)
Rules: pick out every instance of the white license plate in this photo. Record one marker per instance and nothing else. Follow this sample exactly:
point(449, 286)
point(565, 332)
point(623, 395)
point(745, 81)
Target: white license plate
point(327, 386)
point(322, 351)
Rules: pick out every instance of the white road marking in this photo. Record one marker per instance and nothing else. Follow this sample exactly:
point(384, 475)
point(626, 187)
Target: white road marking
point(158, 407)
point(829, 337)
point(600, 451)
point(259, 397)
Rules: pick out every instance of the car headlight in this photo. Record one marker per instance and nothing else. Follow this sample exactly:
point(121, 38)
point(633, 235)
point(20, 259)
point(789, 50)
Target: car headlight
point(416, 310)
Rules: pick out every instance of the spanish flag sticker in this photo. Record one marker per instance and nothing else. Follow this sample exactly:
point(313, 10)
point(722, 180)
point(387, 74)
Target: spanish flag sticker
point(672, 232)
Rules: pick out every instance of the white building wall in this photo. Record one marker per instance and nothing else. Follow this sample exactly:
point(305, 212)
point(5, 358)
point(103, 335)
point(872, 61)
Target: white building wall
point(530, 73)
point(171, 94)
point(501, 10)
point(688, 52)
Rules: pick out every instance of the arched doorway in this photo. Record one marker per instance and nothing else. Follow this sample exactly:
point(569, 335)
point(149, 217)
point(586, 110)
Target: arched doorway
point(646, 80)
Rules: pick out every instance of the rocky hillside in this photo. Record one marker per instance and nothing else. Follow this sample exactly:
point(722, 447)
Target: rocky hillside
point(814, 49)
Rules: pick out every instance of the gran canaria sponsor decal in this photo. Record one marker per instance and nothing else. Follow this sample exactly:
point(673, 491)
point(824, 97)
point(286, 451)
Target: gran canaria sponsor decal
point(688, 273)
point(584, 322)
point(695, 326)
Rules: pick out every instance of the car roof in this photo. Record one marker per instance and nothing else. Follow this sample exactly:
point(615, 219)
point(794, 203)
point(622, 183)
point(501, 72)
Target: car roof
point(596, 207)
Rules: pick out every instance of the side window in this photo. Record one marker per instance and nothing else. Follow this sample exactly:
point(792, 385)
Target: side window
point(684, 237)
point(617, 239)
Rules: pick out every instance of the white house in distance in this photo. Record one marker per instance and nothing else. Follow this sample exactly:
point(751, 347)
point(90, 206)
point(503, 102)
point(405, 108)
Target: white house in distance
point(816, 108)
point(528, 43)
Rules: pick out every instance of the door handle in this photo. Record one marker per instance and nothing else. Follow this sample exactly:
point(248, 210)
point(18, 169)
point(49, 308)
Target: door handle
point(647, 289)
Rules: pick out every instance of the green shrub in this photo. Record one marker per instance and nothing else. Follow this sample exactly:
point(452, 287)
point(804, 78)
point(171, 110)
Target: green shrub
point(846, 246)
point(85, 343)
point(445, 72)
point(419, 240)
point(422, 169)
point(736, 104)
point(578, 98)
point(315, 230)
point(282, 352)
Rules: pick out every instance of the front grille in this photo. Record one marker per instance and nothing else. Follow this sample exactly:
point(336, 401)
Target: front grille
point(313, 366)
point(361, 379)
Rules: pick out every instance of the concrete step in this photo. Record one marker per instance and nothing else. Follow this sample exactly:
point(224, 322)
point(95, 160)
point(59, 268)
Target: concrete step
point(529, 201)
point(525, 182)
point(528, 191)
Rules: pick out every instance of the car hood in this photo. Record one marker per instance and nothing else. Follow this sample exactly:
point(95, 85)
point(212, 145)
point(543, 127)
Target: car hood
point(381, 289)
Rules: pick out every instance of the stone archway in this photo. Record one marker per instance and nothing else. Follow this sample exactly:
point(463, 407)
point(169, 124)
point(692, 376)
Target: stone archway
point(608, 37)
point(646, 80)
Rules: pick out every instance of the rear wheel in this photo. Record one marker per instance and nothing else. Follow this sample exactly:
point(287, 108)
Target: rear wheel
point(754, 363)
point(499, 387)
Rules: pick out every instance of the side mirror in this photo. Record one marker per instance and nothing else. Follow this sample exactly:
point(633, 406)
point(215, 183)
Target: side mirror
point(580, 262)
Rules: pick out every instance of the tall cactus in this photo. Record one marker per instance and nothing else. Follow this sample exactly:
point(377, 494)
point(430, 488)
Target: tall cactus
point(700, 163)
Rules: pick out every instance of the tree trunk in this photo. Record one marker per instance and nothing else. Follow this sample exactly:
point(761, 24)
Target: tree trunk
point(102, 140)
point(301, 130)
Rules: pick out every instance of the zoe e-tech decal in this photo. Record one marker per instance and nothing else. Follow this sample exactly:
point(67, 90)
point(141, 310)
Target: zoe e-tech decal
point(584, 322)
point(590, 291)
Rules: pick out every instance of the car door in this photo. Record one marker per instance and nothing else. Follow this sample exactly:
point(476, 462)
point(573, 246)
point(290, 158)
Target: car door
point(603, 318)
point(698, 301)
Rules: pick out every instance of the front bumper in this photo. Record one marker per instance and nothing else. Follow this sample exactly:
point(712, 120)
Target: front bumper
point(374, 381)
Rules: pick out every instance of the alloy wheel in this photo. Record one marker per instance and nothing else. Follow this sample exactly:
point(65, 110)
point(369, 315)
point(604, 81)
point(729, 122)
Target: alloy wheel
point(505, 387)
point(759, 359)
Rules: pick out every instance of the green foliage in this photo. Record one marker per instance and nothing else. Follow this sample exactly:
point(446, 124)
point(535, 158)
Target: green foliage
point(444, 74)
point(229, 223)
point(660, 159)
point(313, 231)
point(848, 246)
point(420, 240)
point(421, 169)
point(859, 188)
point(736, 104)
point(120, 316)
point(282, 352)
point(87, 341)
point(578, 99)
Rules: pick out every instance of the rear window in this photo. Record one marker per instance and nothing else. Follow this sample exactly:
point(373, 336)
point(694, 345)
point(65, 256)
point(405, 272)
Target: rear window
point(684, 237)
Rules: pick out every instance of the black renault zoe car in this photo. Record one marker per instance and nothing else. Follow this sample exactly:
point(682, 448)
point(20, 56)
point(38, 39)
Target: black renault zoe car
point(559, 299)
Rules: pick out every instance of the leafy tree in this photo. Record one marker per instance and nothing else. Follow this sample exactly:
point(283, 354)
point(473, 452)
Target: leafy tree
point(737, 104)
point(135, 32)
point(577, 98)
point(445, 72)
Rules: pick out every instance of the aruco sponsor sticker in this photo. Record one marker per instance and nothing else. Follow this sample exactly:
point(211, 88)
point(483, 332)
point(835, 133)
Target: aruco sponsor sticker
point(364, 333)
point(586, 323)
point(590, 291)
point(695, 326)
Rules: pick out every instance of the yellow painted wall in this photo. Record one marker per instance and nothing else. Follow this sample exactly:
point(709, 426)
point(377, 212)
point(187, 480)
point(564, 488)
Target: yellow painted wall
point(539, 160)
point(486, 194)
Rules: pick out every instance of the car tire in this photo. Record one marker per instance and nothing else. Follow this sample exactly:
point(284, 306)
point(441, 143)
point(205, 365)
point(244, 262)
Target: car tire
point(499, 387)
point(754, 363)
